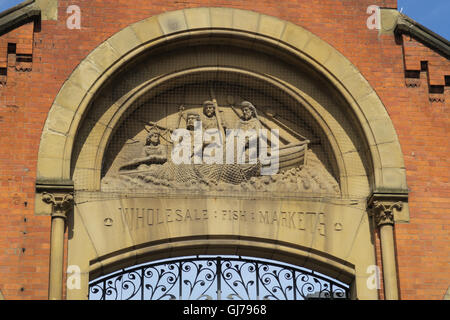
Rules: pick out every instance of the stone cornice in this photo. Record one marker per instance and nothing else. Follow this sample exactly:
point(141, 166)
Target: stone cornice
point(19, 14)
point(407, 26)
point(395, 22)
point(28, 11)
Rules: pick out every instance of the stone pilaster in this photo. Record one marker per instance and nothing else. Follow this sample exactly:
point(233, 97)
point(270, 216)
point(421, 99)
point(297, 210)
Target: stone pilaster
point(55, 198)
point(383, 208)
point(61, 205)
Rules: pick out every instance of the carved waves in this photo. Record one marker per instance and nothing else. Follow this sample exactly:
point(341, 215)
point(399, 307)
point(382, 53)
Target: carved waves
point(309, 178)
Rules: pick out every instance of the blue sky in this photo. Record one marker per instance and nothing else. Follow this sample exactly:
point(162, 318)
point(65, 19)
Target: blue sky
point(433, 14)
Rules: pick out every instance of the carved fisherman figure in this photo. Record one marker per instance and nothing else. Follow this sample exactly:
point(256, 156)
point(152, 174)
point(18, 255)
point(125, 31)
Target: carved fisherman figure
point(249, 124)
point(209, 118)
point(191, 117)
point(249, 119)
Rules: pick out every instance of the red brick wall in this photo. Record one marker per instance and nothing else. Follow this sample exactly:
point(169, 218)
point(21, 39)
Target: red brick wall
point(422, 126)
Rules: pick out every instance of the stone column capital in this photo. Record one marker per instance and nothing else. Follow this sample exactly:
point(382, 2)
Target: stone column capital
point(383, 212)
point(383, 205)
point(61, 203)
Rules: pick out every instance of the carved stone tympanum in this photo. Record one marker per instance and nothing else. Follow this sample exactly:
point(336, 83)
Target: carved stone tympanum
point(227, 148)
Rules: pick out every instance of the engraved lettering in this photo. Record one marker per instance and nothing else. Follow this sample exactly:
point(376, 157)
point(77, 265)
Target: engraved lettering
point(264, 217)
point(159, 218)
point(301, 221)
point(169, 215)
point(312, 223)
point(321, 226)
point(291, 220)
point(188, 215)
point(129, 218)
point(275, 217)
point(179, 215)
point(139, 218)
point(150, 217)
point(283, 218)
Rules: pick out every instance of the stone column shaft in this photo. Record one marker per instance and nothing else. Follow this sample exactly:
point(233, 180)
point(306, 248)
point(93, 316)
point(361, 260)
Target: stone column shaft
point(56, 258)
point(385, 221)
point(389, 264)
point(60, 206)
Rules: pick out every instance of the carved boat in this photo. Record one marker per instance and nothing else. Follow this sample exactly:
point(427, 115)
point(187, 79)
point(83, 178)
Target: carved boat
point(291, 156)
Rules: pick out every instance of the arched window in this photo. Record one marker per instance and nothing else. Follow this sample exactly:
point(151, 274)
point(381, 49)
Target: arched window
point(216, 278)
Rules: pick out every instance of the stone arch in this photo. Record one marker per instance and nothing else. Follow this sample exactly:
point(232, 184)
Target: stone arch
point(55, 161)
point(77, 92)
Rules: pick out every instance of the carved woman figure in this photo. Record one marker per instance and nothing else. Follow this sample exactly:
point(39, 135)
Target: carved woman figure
point(153, 152)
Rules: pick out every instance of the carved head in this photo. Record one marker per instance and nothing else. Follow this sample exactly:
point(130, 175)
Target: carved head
point(191, 117)
point(208, 109)
point(248, 110)
point(153, 137)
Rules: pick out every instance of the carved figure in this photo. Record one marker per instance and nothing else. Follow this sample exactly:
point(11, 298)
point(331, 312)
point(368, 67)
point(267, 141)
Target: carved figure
point(249, 119)
point(154, 169)
point(153, 152)
point(210, 119)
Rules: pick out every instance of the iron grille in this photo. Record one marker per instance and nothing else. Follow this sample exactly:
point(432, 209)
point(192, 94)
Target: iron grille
point(216, 278)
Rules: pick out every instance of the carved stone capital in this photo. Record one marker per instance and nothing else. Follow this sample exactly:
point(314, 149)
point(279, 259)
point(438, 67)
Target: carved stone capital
point(61, 203)
point(383, 212)
point(53, 197)
point(388, 208)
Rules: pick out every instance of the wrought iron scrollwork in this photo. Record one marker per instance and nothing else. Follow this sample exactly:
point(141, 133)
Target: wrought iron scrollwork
point(216, 278)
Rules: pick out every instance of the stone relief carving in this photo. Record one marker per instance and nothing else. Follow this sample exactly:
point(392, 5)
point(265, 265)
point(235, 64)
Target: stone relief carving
point(154, 169)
